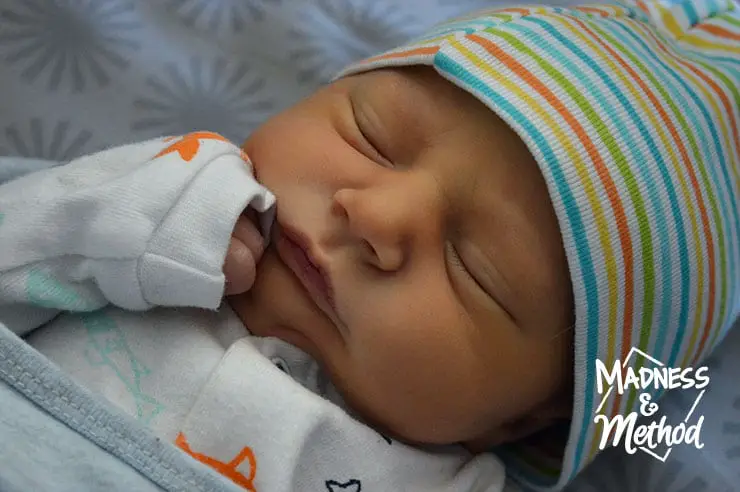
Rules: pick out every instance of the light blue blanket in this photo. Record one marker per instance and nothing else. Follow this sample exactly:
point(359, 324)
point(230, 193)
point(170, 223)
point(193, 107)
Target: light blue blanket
point(57, 437)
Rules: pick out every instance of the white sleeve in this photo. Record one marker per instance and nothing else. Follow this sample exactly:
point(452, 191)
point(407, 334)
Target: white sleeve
point(138, 226)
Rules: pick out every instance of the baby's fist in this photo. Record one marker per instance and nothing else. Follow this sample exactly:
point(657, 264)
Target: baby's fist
point(245, 250)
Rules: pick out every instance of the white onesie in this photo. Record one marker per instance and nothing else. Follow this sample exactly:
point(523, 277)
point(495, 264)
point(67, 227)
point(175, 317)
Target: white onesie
point(111, 266)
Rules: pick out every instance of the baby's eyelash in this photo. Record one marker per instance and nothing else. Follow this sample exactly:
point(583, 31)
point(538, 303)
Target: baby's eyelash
point(458, 263)
point(367, 139)
point(456, 259)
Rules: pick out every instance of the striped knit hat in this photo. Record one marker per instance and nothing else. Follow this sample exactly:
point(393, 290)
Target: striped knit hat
point(632, 113)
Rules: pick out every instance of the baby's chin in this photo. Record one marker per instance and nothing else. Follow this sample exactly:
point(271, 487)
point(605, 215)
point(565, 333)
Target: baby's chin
point(264, 313)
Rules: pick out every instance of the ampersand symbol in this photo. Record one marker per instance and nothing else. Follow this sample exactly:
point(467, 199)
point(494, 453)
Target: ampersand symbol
point(647, 406)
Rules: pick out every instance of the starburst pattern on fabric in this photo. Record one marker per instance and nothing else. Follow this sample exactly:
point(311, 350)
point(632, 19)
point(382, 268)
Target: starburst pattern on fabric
point(732, 428)
point(45, 140)
point(218, 15)
point(335, 33)
point(216, 95)
point(68, 43)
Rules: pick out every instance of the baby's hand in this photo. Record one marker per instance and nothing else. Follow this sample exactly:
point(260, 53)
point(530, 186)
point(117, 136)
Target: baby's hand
point(245, 251)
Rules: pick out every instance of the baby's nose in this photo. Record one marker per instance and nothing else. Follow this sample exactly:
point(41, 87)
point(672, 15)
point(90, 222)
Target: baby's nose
point(389, 221)
point(379, 229)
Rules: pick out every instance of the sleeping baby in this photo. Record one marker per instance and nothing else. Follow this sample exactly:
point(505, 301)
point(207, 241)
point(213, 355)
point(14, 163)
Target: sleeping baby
point(404, 281)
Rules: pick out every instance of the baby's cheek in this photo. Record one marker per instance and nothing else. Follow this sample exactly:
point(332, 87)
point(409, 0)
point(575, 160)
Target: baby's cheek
point(414, 379)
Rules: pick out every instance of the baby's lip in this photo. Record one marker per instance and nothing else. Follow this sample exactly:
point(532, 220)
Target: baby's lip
point(299, 254)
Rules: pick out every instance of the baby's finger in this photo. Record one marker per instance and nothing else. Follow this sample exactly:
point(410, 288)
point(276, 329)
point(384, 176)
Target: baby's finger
point(246, 231)
point(240, 268)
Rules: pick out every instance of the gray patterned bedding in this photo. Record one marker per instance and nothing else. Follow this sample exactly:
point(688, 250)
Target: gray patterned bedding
point(80, 75)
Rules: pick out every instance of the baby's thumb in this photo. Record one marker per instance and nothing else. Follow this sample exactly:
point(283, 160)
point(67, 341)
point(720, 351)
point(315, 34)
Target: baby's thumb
point(245, 251)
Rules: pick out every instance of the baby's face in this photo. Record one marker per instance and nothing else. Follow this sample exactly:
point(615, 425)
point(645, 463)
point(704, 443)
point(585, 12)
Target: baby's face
point(447, 302)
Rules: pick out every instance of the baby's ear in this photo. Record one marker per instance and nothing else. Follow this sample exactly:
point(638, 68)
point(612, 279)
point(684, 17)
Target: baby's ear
point(543, 425)
point(552, 411)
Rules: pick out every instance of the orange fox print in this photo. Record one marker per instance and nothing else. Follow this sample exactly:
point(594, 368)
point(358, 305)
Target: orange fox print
point(188, 145)
point(230, 469)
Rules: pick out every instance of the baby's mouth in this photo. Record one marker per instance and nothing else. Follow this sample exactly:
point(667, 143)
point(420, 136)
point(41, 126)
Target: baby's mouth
point(294, 249)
